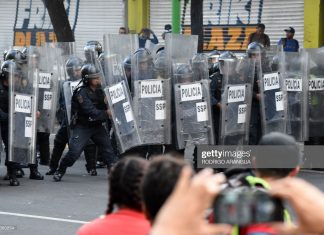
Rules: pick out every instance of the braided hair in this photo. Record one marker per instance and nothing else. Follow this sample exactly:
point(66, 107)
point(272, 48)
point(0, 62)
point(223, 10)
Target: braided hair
point(125, 182)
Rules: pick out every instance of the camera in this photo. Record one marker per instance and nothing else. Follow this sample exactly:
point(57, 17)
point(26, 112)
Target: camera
point(245, 206)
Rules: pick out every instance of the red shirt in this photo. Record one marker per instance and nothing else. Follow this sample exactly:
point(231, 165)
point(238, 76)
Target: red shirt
point(123, 222)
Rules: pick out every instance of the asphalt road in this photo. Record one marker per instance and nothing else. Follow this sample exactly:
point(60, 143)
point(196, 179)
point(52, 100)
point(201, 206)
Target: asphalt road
point(50, 208)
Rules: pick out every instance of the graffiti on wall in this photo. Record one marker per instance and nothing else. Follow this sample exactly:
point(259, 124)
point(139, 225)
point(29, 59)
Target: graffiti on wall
point(229, 23)
point(33, 25)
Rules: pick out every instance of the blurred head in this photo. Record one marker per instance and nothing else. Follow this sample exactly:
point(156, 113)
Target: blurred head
point(158, 183)
point(73, 68)
point(128, 67)
point(17, 56)
point(290, 32)
point(288, 156)
point(92, 50)
point(123, 30)
point(183, 73)
point(91, 75)
point(161, 65)
point(200, 66)
point(146, 33)
point(8, 67)
point(260, 28)
point(143, 60)
point(125, 180)
point(227, 63)
point(255, 49)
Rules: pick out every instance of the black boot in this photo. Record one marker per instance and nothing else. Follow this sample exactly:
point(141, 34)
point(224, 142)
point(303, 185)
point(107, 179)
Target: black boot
point(58, 175)
point(50, 171)
point(13, 181)
point(34, 173)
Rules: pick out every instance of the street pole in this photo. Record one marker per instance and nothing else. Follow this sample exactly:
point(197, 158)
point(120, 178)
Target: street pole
point(176, 4)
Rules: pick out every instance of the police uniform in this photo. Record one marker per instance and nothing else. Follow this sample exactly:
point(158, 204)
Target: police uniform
point(12, 167)
point(88, 116)
point(62, 138)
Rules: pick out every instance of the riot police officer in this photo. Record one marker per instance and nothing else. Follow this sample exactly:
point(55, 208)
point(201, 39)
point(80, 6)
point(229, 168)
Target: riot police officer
point(73, 68)
point(6, 68)
point(89, 112)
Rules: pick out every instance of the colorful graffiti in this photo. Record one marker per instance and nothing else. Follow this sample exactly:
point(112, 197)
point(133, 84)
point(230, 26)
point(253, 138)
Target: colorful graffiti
point(33, 25)
point(229, 23)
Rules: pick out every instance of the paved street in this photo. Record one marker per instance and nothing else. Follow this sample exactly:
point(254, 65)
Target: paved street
point(46, 208)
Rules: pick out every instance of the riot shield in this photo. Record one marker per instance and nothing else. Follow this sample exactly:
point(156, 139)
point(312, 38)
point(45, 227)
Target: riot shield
point(272, 92)
point(22, 111)
point(236, 100)
point(293, 71)
point(151, 99)
point(192, 106)
point(315, 71)
point(48, 86)
point(179, 50)
point(120, 103)
point(68, 89)
point(123, 45)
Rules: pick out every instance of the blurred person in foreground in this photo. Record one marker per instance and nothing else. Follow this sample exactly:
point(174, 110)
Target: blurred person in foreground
point(124, 214)
point(186, 199)
point(266, 170)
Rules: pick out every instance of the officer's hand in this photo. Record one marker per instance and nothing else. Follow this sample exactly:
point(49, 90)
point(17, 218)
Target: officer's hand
point(38, 114)
point(258, 96)
point(306, 200)
point(219, 105)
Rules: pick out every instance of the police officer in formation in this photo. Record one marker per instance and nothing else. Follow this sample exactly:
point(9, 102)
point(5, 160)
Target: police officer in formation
point(89, 112)
point(11, 66)
point(73, 69)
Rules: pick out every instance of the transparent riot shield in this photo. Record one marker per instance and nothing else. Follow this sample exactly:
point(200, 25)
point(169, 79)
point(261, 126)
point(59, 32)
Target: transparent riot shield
point(151, 98)
point(22, 110)
point(68, 89)
point(179, 50)
point(48, 86)
point(192, 105)
point(236, 100)
point(120, 103)
point(293, 71)
point(315, 71)
point(272, 92)
point(123, 45)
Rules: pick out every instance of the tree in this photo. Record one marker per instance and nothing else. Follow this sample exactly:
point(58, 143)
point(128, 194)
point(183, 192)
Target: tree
point(60, 20)
point(197, 27)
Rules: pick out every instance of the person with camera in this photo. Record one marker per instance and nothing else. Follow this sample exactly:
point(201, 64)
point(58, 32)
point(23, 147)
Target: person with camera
point(145, 35)
point(282, 162)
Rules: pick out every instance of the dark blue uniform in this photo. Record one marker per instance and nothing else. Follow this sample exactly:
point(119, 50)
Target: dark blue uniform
point(88, 115)
point(62, 138)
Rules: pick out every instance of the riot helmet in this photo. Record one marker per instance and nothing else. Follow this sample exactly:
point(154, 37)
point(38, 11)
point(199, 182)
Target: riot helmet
point(127, 63)
point(17, 56)
point(73, 67)
point(227, 63)
point(200, 66)
point(183, 73)
point(90, 71)
point(9, 66)
point(143, 62)
point(161, 65)
point(255, 49)
point(92, 50)
point(213, 58)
